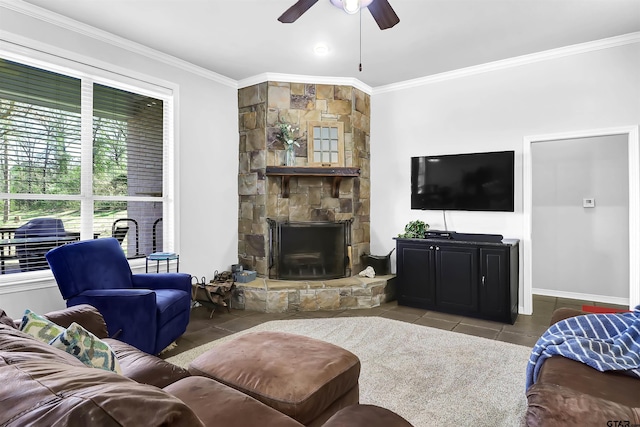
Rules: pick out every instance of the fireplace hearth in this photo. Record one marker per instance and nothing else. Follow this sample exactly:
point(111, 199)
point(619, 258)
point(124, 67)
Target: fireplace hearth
point(309, 250)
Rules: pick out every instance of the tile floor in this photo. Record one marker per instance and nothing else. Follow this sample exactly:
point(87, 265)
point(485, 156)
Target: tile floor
point(525, 331)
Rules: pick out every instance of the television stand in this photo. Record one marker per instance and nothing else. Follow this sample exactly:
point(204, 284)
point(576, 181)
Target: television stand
point(467, 277)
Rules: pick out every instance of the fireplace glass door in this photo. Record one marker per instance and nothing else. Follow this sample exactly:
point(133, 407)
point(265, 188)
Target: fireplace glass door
point(312, 250)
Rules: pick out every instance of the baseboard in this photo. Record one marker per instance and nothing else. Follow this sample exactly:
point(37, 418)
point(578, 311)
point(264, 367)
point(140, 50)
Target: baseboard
point(580, 296)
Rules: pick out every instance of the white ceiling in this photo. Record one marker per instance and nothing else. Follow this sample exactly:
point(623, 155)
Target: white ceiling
point(242, 38)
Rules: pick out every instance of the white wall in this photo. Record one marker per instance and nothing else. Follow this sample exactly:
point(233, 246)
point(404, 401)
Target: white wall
point(207, 150)
point(491, 111)
point(579, 250)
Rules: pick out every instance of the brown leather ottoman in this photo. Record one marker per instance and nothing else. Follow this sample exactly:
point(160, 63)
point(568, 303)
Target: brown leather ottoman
point(304, 378)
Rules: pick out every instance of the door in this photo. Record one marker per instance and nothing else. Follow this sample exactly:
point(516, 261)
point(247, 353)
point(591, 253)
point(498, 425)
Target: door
point(494, 282)
point(415, 275)
point(580, 218)
point(456, 281)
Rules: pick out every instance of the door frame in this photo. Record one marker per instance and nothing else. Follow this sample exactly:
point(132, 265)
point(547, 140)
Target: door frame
point(633, 144)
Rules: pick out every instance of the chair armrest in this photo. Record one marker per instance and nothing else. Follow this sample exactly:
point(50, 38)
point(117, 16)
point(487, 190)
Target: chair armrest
point(180, 281)
point(85, 315)
point(130, 314)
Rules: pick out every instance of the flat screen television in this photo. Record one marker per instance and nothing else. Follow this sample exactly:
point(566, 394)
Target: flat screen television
point(467, 182)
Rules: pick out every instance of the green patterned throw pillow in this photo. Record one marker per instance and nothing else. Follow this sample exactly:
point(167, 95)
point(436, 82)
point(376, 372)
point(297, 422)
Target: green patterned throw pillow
point(90, 350)
point(38, 327)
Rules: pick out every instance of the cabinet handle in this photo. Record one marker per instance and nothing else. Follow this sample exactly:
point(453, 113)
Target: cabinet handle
point(482, 280)
point(437, 248)
point(431, 247)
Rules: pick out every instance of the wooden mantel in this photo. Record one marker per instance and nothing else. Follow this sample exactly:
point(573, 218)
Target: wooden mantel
point(286, 172)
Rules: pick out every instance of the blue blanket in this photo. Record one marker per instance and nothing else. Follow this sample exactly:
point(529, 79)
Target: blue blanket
point(606, 342)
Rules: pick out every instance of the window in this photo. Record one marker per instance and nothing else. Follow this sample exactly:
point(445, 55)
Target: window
point(325, 143)
point(79, 159)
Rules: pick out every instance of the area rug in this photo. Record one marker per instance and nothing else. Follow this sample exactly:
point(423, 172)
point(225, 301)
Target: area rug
point(429, 376)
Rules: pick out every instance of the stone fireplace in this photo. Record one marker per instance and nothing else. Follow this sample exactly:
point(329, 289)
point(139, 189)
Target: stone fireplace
point(299, 199)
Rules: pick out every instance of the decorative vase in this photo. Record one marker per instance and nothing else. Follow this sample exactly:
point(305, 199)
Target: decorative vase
point(289, 157)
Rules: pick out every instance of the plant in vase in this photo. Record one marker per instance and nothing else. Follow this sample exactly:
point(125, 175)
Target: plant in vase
point(289, 137)
point(414, 230)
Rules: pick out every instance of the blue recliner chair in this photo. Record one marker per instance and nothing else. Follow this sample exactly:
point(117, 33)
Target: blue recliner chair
point(148, 311)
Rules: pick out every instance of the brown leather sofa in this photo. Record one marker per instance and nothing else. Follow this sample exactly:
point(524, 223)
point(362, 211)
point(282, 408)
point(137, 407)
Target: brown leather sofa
point(43, 386)
point(569, 393)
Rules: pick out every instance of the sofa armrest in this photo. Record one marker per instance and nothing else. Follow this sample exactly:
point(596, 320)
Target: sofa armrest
point(85, 315)
point(180, 281)
point(555, 405)
point(564, 313)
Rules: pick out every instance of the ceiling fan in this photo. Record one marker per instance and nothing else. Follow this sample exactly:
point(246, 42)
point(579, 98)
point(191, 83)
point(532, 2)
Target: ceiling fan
point(381, 10)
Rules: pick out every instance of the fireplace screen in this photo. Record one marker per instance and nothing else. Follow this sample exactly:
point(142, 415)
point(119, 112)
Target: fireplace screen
point(309, 250)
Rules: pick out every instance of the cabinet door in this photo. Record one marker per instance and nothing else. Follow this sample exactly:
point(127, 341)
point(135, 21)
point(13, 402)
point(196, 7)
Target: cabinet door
point(415, 275)
point(456, 278)
point(494, 282)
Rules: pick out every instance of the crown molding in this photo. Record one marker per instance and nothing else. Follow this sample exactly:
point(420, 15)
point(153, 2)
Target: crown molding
point(298, 78)
point(100, 35)
point(513, 62)
point(103, 36)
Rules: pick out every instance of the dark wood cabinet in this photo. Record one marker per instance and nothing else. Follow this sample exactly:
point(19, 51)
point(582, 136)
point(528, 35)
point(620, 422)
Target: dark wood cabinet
point(456, 270)
point(417, 274)
point(477, 279)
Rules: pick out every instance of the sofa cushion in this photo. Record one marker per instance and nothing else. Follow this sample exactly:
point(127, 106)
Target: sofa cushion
point(366, 415)
point(219, 405)
point(46, 393)
point(39, 327)
point(6, 320)
point(83, 314)
point(145, 368)
point(19, 347)
point(87, 348)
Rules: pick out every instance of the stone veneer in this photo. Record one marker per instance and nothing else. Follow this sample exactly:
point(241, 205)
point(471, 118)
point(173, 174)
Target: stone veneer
point(261, 107)
point(278, 296)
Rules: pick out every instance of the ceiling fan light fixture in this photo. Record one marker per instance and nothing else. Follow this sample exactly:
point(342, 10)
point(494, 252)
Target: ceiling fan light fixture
point(351, 6)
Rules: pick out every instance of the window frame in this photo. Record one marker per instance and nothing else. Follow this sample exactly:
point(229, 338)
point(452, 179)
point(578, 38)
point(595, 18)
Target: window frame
point(311, 144)
point(108, 75)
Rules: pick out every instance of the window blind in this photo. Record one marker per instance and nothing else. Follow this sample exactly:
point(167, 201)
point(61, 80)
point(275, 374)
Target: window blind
point(40, 122)
point(128, 161)
point(67, 165)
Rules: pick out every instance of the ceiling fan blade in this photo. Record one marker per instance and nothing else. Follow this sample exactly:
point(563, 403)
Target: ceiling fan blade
point(383, 13)
point(296, 11)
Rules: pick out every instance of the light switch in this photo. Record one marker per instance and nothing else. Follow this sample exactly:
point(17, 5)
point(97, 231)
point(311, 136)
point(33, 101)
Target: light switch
point(589, 202)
